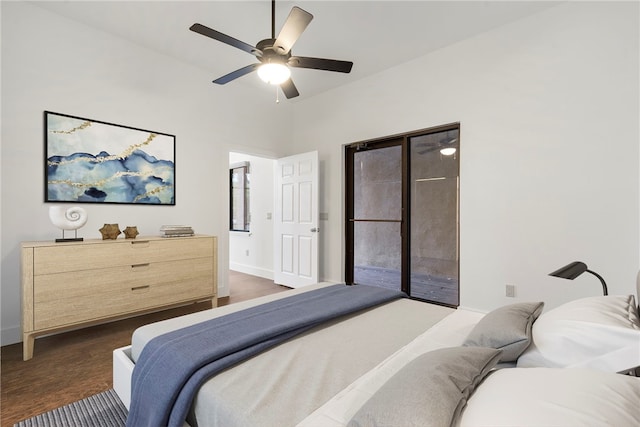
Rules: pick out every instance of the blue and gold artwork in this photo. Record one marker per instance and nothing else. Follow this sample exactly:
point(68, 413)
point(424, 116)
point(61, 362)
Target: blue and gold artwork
point(97, 162)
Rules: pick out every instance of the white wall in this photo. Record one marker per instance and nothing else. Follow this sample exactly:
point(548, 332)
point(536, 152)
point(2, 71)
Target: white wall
point(549, 118)
point(52, 63)
point(252, 253)
point(549, 131)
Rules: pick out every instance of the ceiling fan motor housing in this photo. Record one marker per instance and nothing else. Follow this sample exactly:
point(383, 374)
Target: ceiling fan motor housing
point(271, 53)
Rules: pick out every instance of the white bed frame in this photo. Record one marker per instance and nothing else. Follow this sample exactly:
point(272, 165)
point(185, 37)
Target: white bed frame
point(122, 371)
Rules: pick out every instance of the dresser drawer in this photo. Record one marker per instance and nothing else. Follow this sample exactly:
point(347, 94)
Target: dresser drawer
point(72, 258)
point(66, 298)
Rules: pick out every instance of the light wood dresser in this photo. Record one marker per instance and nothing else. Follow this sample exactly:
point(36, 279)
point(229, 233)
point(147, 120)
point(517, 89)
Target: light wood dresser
point(74, 284)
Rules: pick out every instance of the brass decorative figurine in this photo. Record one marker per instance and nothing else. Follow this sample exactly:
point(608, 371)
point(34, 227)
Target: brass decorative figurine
point(131, 232)
point(110, 231)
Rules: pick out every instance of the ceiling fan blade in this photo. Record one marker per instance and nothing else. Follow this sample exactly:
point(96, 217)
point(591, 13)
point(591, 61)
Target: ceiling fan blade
point(235, 74)
point(217, 35)
point(320, 64)
point(428, 150)
point(289, 89)
point(293, 27)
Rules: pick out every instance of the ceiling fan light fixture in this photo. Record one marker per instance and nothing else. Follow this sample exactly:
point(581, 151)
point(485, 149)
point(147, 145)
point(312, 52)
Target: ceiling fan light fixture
point(274, 73)
point(449, 151)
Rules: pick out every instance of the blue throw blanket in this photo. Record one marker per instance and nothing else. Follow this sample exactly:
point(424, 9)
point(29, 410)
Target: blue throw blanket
point(173, 366)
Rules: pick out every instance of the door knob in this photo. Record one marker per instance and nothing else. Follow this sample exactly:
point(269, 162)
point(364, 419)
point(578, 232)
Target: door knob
point(315, 229)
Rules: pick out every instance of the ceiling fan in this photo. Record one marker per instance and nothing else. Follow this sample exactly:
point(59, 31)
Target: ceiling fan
point(274, 53)
point(446, 146)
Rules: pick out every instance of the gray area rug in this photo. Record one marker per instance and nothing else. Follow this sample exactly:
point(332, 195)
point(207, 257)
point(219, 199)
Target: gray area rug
point(100, 410)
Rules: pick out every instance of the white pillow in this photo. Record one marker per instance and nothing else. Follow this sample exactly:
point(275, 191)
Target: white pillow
point(553, 397)
point(597, 332)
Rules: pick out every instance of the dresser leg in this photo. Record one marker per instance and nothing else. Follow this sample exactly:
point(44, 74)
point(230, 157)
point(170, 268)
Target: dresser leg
point(28, 342)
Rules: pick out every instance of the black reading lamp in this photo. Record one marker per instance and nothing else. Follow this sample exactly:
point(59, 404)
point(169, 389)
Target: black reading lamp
point(576, 268)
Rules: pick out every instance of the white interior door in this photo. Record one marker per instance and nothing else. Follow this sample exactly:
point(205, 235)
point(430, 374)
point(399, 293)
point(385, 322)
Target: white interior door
point(296, 220)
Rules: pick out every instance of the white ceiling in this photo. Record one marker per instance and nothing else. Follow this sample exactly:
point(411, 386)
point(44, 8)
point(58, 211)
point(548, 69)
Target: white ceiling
point(374, 35)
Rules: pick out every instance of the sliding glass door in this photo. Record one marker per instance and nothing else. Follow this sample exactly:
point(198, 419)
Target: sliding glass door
point(402, 214)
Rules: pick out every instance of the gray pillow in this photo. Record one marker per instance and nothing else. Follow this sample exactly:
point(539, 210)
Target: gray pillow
point(431, 390)
point(507, 328)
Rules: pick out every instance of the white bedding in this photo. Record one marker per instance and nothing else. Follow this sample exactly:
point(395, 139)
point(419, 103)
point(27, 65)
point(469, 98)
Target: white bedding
point(325, 376)
point(449, 332)
point(511, 397)
point(536, 397)
point(284, 385)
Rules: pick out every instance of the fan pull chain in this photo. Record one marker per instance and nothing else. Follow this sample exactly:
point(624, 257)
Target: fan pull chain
point(277, 95)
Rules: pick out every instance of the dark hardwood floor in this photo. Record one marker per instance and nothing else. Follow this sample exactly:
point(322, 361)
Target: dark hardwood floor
point(73, 365)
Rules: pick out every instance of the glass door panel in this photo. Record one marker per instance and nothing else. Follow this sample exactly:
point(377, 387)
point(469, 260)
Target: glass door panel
point(377, 217)
point(434, 239)
point(378, 254)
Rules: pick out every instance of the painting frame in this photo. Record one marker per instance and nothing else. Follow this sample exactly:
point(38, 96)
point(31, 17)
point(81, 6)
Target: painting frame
point(92, 161)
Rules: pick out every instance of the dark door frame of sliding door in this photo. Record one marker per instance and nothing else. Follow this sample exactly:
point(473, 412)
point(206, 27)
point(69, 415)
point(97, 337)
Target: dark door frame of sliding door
point(405, 227)
point(350, 221)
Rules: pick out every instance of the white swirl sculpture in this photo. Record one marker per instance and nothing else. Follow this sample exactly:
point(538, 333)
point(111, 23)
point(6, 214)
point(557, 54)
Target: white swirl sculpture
point(67, 219)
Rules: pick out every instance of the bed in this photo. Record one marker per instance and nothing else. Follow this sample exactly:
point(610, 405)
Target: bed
point(405, 363)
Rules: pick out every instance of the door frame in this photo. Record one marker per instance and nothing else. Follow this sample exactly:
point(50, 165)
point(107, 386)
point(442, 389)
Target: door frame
point(349, 224)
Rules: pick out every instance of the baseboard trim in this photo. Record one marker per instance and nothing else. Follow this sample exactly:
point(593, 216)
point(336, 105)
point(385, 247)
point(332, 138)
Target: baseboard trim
point(11, 335)
point(250, 269)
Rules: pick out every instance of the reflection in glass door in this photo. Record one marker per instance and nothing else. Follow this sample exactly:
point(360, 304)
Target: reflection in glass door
point(434, 216)
point(377, 216)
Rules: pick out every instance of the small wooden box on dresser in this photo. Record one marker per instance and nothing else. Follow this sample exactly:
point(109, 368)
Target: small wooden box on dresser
point(74, 284)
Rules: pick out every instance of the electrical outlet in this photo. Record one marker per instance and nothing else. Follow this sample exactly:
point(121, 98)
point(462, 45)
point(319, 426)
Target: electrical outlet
point(510, 291)
point(246, 253)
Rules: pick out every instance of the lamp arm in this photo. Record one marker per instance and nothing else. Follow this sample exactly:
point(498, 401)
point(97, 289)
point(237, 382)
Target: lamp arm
point(604, 285)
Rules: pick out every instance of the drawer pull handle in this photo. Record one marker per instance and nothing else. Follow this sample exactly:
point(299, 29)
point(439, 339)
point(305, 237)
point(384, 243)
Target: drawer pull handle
point(139, 288)
point(139, 266)
point(140, 243)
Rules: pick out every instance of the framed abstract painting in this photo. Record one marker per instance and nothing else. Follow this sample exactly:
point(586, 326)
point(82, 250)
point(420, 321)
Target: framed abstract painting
point(89, 161)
